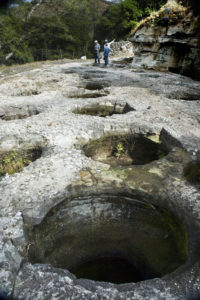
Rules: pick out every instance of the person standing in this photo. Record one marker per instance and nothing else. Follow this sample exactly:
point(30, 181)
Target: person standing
point(96, 52)
point(109, 43)
point(106, 53)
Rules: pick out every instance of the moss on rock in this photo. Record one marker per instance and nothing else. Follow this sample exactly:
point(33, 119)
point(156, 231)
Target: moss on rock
point(14, 161)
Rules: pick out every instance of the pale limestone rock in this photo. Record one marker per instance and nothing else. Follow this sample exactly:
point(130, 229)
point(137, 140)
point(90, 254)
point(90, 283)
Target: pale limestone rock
point(63, 172)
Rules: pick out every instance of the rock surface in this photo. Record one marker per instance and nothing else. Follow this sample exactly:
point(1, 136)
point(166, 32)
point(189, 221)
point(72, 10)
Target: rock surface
point(121, 49)
point(164, 104)
point(169, 40)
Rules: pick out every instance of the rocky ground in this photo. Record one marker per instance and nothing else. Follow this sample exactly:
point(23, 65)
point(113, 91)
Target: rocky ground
point(40, 110)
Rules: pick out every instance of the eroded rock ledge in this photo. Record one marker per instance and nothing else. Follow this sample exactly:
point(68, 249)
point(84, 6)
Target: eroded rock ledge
point(170, 40)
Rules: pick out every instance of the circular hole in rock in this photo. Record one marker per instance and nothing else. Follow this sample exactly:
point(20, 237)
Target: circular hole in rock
point(192, 172)
point(110, 238)
point(14, 161)
point(92, 94)
point(126, 60)
point(93, 76)
point(28, 92)
point(95, 85)
point(97, 72)
point(104, 109)
point(189, 95)
point(126, 149)
point(14, 113)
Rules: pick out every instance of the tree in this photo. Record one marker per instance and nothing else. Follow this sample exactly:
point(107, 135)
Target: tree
point(119, 19)
point(78, 17)
point(42, 29)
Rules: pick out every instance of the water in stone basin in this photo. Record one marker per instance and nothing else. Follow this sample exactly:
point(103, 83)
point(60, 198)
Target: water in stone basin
point(96, 236)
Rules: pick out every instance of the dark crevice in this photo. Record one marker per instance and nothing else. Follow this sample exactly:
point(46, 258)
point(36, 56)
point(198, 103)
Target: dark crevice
point(192, 173)
point(96, 85)
point(111, 269)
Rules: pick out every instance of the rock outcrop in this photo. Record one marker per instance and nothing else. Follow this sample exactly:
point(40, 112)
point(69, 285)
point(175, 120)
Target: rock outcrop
point(122, 49)
point(113, 177)
point(170, 40)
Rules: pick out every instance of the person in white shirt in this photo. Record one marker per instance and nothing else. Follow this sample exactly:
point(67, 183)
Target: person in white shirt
point(108, 43)
point(107, 51)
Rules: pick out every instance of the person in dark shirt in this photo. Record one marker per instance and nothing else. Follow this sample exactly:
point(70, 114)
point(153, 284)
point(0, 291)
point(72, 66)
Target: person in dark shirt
point(96, 52)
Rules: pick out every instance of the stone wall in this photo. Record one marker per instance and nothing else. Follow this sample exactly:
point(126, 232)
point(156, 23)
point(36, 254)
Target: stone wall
point(169, 40)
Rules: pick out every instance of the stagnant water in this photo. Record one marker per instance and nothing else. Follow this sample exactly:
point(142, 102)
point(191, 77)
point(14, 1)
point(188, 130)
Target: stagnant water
point(110, 238)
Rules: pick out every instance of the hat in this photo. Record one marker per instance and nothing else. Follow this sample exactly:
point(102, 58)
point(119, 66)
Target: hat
point(95, 41)
point(106, 41)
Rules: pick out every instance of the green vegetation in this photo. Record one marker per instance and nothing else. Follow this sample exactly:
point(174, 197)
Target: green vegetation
point(119, 150)
point(64, 28)
point(14, 161)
